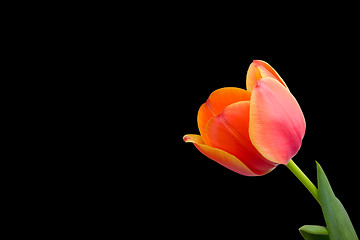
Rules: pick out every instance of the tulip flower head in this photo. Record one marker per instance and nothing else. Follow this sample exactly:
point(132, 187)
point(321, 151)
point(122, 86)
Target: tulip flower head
point(251, 131)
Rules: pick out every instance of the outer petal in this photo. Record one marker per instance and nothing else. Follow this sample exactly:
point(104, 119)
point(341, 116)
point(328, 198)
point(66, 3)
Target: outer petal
point(217, 101)
point(277, 124)
point(259, 69)
point(227, 160)
point(229, 131)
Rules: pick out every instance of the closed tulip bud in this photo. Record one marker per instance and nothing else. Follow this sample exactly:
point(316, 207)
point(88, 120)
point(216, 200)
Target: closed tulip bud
point(251, 131)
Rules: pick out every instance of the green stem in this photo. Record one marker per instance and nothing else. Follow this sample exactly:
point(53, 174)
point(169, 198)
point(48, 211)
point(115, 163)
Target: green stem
point(303, 178)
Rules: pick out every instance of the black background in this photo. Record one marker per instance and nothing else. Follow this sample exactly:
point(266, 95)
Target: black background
point(200, 197)
point(154, 184)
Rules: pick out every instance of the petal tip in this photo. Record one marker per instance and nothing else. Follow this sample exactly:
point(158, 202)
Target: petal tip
point(187, 138)
point(193, 138)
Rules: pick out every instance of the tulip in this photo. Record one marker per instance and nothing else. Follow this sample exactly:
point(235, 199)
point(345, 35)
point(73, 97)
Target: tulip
point(251, 131)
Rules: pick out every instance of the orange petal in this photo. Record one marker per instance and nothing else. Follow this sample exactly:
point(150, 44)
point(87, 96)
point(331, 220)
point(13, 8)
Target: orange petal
point(277, 124)
point(259, 69)
point(203, 117)
point(229, 131)
point(225, 159)
point(217, 101)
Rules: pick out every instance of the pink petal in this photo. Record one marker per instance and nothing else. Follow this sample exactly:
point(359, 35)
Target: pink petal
point(277, 124)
